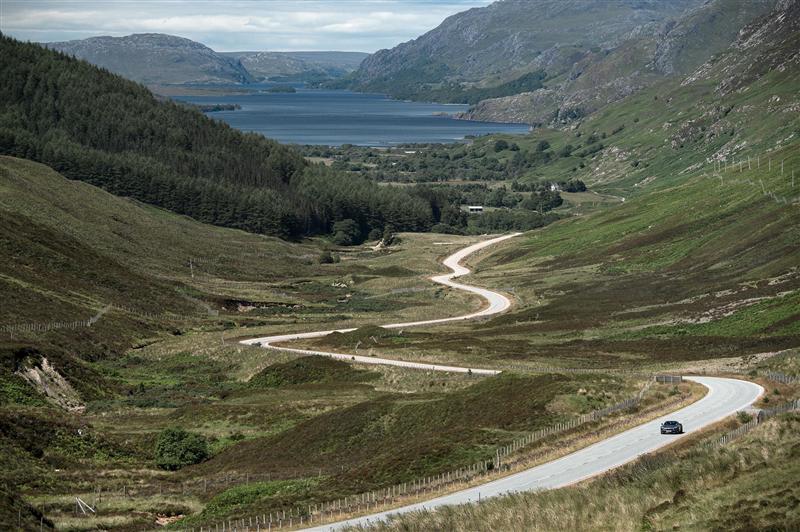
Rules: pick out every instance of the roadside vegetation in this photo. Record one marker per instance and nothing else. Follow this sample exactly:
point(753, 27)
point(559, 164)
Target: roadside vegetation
point(750, 484)
point(661, 236)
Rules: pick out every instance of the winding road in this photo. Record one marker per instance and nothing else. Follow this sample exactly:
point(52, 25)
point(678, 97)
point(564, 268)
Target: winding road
point(724, 398)
point(496, 303)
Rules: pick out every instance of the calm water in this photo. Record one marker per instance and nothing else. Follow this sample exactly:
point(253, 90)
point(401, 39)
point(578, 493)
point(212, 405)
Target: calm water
point(331, 118)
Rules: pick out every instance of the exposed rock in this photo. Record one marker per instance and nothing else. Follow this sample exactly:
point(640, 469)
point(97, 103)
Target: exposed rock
point(594, 53)
point(51, 384)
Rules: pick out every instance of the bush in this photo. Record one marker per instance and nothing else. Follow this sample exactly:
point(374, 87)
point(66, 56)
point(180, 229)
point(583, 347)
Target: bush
point(500, 145)
point(743, 417)
point(346, 233)
point(375, 234)
point(566, 151)
point(325, 257)
point(177, 448)
point(390, 238)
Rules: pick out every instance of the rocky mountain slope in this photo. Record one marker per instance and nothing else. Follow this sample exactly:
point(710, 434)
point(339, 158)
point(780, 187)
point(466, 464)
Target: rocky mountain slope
point(592, 53)
point(298, 65)
point(154, 58)
point(596, 80)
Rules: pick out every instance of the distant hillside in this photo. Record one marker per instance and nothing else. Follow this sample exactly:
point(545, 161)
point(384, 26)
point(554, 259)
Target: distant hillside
point(585, 54)
point(94, 126)
point(597, 79)
point(160, 59)
point(154, 58)
point(300, 66)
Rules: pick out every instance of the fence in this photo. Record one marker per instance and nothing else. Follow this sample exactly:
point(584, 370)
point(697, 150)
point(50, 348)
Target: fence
point(378, 499)
point(556, 369)
point(44, 327)
point(722, 166)
point(670, 379)
point(761, 416)
point(22, 328)
point(781, 377)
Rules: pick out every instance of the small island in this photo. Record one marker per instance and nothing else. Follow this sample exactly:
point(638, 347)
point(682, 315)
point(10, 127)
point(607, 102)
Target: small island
point(288, 89)
point(214, 107)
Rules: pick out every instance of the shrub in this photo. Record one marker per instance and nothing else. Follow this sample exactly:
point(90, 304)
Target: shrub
point(566, 151)
point(325, 257)
point(743, 417)
point(500, 145)
point(446, 229)
point(346, 233)
point(177, 448)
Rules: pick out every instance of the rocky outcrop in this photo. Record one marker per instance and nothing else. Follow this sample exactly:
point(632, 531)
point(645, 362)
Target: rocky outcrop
point(52, 385)
point(639, 62)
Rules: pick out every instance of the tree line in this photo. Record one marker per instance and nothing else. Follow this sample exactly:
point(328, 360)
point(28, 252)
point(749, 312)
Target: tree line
point(94, 126)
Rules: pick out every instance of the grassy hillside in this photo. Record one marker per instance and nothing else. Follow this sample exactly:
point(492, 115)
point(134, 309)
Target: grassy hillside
point(692, 251)
point(749, 485)
point(97, 127)
point(78, 249)
point(163, 354)
point(547, 62)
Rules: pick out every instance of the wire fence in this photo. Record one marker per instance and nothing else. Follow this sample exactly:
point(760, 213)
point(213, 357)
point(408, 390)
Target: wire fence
point(380, 499)
point(781, 377)
point(763, 162)
point(759, 417)
point(43, 327)
point(588, 371)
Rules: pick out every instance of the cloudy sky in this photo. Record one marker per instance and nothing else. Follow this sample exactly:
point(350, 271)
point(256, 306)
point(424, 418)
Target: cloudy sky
point(358, 25)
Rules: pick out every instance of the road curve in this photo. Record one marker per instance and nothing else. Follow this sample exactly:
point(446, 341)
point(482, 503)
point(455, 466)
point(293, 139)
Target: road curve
point(496, 303)
point(724, 398)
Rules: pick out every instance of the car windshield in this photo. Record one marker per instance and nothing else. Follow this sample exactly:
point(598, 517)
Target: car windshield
point(670, 423)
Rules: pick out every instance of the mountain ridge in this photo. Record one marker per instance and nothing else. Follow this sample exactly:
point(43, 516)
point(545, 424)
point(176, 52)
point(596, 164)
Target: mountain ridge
point(592, 54)
point(159, 58)
point(156, 58)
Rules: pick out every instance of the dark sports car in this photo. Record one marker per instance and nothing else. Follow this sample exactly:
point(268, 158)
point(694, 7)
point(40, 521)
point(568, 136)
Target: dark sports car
point(671, 427)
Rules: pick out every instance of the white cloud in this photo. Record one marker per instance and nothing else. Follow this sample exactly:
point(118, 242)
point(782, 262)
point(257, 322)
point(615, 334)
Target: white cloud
point(365, 25)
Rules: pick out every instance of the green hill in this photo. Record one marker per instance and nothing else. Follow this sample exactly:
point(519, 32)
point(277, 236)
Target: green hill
point(151, 58)
point(93, 126)
point(692, 254)
point(583, 54)
point(77, 249)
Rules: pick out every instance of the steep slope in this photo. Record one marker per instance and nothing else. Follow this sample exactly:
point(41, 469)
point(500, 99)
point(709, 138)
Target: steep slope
point(508, 38)
point(595, 80)
point(95, 126)
point(701, 258)
point(153, 58)
point(299, 66)
point(515, 35)
point(588, 54)
point(76, 249)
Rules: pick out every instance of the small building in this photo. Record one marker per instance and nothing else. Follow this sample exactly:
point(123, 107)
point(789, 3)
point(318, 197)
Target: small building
point(475, 208)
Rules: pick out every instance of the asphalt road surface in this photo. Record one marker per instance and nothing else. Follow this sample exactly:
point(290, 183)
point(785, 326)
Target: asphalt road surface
point(724, 398)
point(496, 303)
